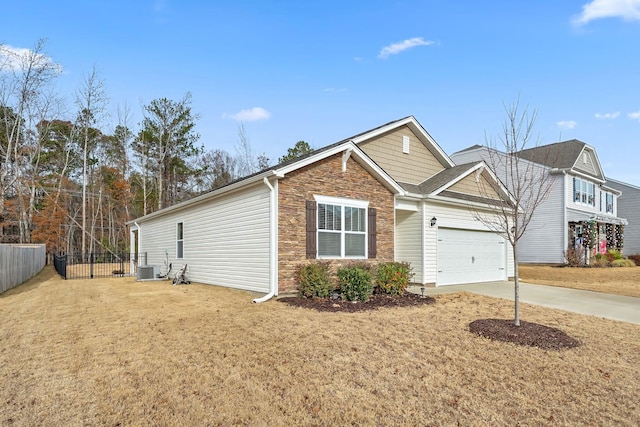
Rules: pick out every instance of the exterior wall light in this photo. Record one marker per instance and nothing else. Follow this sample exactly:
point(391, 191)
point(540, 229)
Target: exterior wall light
point(433, 221)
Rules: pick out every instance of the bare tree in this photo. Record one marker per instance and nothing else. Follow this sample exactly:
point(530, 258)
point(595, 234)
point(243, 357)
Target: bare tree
point(529, 184)
point(246, 160)
point(91, 100)
point(25, 79)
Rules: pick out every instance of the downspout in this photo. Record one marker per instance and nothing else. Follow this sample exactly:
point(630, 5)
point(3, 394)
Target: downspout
point(565, 224)
point(135, 261)
point(423, 243)
point(273, 234)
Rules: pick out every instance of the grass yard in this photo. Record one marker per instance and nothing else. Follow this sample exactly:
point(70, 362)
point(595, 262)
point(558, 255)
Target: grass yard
point(120, 352)
point(618, 280)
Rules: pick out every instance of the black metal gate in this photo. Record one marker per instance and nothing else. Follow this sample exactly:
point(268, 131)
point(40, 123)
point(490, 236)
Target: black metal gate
point(98, 264)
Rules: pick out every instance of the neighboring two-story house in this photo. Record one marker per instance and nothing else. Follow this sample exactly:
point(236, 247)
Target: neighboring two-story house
point(628, 206)
point(581, 209)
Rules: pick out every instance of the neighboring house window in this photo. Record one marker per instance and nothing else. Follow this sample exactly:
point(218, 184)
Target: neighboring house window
point(340, 228)
point(609, 203)
point(584, 192)
point(180, 240)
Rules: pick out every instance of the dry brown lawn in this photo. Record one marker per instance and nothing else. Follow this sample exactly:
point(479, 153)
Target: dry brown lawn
point(619, 281)
point(119, 352)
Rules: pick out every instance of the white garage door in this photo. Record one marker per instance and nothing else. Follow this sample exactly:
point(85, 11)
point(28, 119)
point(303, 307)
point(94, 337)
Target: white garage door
point(467, 256)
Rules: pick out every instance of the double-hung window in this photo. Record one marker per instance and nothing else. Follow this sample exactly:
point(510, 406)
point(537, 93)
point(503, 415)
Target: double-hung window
point(584, 192)
point(609, 203)
point(180, 240)
point(342, 228)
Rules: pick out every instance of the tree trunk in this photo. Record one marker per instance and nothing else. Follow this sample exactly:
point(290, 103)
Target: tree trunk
point(516, 280)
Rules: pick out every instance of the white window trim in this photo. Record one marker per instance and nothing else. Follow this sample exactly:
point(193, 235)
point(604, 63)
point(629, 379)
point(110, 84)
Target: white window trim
point(179, 240)
point(344, 202)
point(578, 185)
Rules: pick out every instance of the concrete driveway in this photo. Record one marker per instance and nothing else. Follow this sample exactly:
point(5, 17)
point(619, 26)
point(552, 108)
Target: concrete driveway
point(615, 307)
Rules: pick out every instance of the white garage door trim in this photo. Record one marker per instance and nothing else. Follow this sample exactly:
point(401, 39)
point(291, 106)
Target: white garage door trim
point(470, 256)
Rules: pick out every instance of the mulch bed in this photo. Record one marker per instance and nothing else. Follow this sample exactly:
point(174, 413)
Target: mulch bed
point(376, 301)
point(527, 334)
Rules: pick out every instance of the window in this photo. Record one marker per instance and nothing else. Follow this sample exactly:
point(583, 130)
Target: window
point(180, 240)
point(341, 228)
point(609, 205)
point(584, 192)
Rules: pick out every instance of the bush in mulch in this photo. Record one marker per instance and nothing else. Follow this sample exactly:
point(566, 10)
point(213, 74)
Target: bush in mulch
point(527, 334)
point(374, 302)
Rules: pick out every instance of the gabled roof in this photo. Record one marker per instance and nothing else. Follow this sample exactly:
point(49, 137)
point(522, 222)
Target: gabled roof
point(560, 155)
point(417, 129)
point(438, 184)
point(442, 179)
point(346, 147)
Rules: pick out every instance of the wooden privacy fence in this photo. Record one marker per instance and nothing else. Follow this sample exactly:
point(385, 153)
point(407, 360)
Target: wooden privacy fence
point(18, 263)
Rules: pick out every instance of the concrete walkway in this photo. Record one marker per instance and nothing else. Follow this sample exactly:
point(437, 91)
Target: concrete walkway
point(615, 307)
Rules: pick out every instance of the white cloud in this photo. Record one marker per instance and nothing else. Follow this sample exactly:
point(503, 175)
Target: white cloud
point(634, 116)
point(567, 124)
point(629, 10)
point(395, 48)
point(14, 58)
point(608, 115)
point(250, 115)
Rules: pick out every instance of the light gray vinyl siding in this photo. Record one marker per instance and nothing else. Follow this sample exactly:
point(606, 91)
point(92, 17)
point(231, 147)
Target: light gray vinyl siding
point(226, 240)
point(456, 218)
point(408, 243)
point(545, 238)
point(628, 205)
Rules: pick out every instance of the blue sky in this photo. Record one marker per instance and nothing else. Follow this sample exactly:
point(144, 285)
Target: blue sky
point(321, 71)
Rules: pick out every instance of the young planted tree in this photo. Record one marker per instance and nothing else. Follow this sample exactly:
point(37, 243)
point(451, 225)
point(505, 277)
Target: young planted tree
point(528, 183)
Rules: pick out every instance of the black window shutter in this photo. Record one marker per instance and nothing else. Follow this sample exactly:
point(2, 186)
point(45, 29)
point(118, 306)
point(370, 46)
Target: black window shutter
point(371, 232)
point(312, 225)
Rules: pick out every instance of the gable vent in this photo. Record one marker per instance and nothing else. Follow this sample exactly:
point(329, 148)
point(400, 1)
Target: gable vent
point(405, 144)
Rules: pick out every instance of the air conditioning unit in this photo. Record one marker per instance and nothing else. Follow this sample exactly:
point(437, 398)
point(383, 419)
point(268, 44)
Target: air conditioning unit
point(148, 272)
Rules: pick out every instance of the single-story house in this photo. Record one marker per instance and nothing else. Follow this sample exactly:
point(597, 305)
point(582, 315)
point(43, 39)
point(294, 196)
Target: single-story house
point(629, 208)
point(580, 202)
point(386, 194)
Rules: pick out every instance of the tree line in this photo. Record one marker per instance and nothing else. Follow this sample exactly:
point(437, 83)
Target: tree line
point(68, 181)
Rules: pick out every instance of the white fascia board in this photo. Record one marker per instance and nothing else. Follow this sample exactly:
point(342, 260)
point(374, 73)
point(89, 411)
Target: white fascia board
point(416, 127)
point(464, 203)
point(595, 154)
point(587, 176)
point(236, 186)
point(357, 154)
point(407, 204)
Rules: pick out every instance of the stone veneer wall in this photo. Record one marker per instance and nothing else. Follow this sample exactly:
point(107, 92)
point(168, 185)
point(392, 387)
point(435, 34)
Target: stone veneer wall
point(326, 178)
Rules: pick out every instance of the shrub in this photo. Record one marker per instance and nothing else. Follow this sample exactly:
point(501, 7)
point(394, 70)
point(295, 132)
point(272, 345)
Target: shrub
point(393, 277)
point(635, 258)
point(355, 282)
point(613, 255)
point(575, 256)
point(600, 260)
point(314, 280)
point(623, 263)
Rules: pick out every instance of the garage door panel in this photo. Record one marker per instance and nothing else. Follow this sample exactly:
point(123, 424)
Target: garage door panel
point(467, 256)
